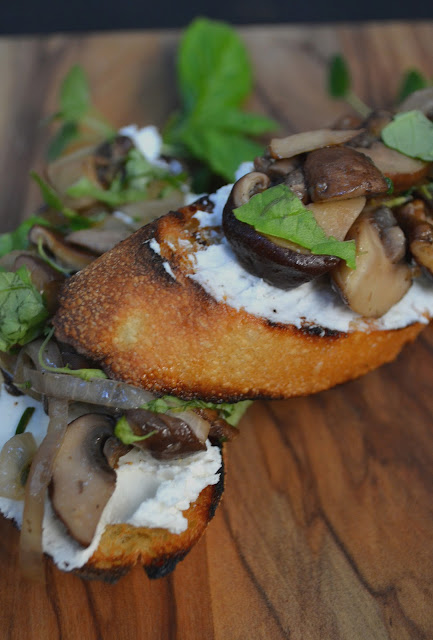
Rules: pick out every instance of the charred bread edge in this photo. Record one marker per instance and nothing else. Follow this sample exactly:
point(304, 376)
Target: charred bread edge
point(164, 563)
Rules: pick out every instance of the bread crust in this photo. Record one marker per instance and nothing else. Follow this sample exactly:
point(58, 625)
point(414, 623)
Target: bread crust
point(166, 334)
point(158, 551)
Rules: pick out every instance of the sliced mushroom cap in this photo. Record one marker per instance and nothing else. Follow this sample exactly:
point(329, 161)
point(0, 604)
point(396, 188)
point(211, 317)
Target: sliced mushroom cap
point(381, 277)
point(337, 216)
point(418, 228)
point(308, 141)
point(174, 437)
point(277, 261)
point(340, 173)
point(82, 481)
point(372, 128)
point(70, 256)
point(421, 100)
point(402, 170)
point(247, 186)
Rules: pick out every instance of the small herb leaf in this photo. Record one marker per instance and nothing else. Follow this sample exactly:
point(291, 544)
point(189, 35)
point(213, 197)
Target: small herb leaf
point(339, 80)
point(74, 95)
point(410, 133)
point(413, 80)
point(278, 212)
point(123, 431)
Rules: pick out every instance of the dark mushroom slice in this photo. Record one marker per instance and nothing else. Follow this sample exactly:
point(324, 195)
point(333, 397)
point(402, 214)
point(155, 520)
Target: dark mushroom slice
point(418, 229)
point(382, 276)
point(295, 180)
point(340, 173)
point(220, 430)
point(372, 128)
point(70, 256)
point(308, 141)
point(402, 170)
point(82, 480)
point(277, 261)
point(173, 437)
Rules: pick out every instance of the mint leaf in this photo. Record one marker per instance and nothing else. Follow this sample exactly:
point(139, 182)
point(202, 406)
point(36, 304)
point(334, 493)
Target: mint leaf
point(413, 80)
point(74, 95)
point(278, 212)
point(410, 133)
point(22, 310)
point(339, 81)
point(123, 431)
point(18, 239)
point(215, 78)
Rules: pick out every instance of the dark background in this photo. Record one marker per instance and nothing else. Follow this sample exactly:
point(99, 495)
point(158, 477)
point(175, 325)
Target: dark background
point(45, 16)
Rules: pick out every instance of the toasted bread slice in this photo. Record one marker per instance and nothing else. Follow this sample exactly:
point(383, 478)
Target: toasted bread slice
point(157, 550)
point(139, 314)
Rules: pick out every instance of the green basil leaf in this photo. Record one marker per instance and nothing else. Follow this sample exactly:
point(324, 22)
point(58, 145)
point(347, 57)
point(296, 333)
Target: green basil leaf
point(113, 197)
point(413, 80)
point(224, 152)
point(22, 309)
point(213, 67)
point(278, 212)
point(123, 431)
point(410, 133)
point(18, 238)
point(67, 133)
point(74, 94)
point(236, 121)
point(339, 80)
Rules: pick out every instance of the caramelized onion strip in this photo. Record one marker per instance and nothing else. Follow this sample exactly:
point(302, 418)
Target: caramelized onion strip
point(31, 551)
point(106, 393)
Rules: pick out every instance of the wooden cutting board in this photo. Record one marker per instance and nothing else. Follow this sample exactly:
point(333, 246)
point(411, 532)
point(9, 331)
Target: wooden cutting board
point(326, 527)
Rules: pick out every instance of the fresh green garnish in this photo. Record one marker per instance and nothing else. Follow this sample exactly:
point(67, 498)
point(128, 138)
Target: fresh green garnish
point(24, 420)
point(340, 85)
point(410, 133)
point(215, 78)
point(133, 187)
point(18, 239)
point(84, 374)
point(123, 431)
point(22, 309)
point(278, 212)
point(413, 80)
point(76, 114)
point(232, 413)
point(75, 222)
point(390, 184)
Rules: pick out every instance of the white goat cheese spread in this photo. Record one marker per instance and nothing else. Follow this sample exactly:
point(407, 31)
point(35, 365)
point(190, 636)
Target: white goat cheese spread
point(149, 492)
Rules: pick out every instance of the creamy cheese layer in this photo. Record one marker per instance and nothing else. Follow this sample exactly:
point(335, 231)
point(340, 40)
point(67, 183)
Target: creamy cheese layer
point(315, 303)
point(149, 492)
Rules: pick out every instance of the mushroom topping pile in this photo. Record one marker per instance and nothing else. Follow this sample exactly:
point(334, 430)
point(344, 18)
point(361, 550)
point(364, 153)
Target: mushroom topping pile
point(344, 178)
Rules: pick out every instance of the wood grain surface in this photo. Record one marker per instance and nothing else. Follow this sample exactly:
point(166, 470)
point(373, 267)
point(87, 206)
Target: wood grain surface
point(326, 527)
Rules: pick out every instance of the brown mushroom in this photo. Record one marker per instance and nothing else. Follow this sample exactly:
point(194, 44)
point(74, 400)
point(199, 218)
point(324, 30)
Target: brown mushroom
point(340, 173)
point(68, 169)
point(174, 437)
point(82, 480)
point(337, 216)
point(247, 186)
point(70, 256)
point(308, 141)
point(402, 170)
point(418, 228)
point(381, 277)
point(277, 261)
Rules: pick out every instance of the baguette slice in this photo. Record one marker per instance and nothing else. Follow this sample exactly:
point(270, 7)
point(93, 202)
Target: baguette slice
point(137, 312)
point(158, 551)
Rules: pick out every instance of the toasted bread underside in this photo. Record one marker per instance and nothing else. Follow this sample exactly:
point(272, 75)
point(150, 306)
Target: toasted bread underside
point(158, 551)
point(165, 333)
